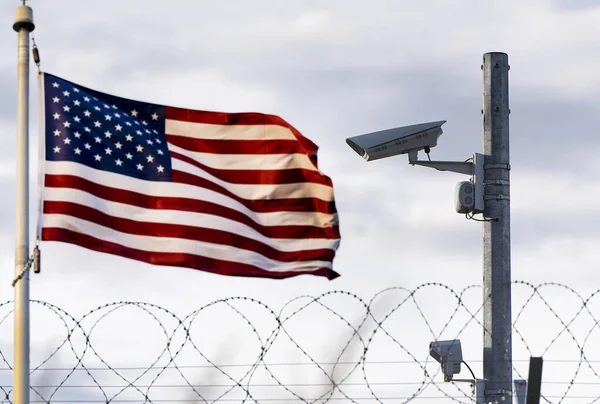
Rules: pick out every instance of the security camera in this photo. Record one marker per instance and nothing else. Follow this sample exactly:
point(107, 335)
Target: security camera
point(449, 355)
point(391, 142)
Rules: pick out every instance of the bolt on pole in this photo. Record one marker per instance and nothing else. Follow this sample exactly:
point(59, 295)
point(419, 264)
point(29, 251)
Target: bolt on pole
point(497, 336)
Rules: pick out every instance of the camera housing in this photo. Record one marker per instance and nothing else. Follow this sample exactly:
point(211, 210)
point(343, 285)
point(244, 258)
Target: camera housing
point(449, 355)
point(401, 140)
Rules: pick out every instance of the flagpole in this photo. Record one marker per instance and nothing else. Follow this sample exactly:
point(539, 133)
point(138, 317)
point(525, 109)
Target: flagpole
point(23, 25)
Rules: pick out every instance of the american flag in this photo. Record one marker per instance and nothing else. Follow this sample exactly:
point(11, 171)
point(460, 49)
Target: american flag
point(230, 193)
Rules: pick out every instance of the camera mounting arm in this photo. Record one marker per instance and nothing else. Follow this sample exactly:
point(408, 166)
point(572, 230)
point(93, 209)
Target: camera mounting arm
point(474, 168)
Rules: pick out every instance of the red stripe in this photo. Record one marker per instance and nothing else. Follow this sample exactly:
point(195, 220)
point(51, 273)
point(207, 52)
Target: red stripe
point(260, 177)
point(259, 205)
point(184, 232)
point(241, 118)
point(188, 205)
point(221, 146)
point(174, 259)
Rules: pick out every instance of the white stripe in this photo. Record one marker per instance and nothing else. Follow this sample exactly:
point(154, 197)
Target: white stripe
point(177, 217)
point(168, 189)
point(171, 245)
point(227, 132)
point(248, 161)
point(262, 191)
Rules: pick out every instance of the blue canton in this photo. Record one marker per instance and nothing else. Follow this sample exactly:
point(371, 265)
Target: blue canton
point(105, 132)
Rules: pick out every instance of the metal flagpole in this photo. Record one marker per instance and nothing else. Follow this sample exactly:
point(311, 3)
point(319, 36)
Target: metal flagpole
point(23, 25)
point(497, 337)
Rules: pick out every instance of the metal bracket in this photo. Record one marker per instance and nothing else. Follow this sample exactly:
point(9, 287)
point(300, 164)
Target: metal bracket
point(496, 182)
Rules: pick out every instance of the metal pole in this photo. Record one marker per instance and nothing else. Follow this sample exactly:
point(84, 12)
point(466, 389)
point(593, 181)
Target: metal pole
point(23, 25)
point(497, 337)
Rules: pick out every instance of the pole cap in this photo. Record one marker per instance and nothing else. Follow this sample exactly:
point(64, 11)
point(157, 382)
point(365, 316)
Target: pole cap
point(23, 19)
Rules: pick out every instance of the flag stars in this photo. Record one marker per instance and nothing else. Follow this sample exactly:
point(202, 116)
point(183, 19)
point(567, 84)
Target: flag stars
point(87, 146)
point(107, 134)
point(56, 115)
point(77, 150)
point(107, 117)
point(140, 167)
point(118, 145)
point(106, 106)
point(97, 108)
point(56, 149)
point(87, 113)
point(98, 157)
point(160, 169)
point(117, 114)
point(118, 162)
point(150, 159)
point(66, 108)
point(86, 99)
point(77, 135)
point(154, 117)
point(76, 103)
point(118, 127)
point(134, 113)
point(129, 138)
point(139, 132)
point(157, 140)
point(160, 152)
point(75, 89)
point(128, 123)
point(67, 140)
point(139, 148)
point(56, 132)
point(97, 139)
point(108, 151)
point(77, 119)
point(55, 85)
point(67, 124)
point(149, 141)
point(144, 123)
point(66, 93)
point(129, 156)
point(56, 100)
point(97, 124)
point(88, 130)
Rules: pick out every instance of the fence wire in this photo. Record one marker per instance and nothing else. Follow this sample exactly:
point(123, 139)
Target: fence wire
point(335, 347)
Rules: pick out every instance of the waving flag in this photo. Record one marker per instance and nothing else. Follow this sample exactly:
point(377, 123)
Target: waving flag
point(230, 193)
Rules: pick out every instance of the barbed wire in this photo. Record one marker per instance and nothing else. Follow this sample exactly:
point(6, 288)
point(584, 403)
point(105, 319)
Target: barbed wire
point(314, 349)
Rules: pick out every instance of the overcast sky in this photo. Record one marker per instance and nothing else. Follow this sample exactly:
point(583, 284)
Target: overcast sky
point(335, 69)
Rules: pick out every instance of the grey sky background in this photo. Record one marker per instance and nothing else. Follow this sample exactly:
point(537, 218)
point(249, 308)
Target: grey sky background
point(335, 69)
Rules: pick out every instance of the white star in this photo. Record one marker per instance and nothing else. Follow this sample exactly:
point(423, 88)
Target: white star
point(97, 108)
point(87, 113)
point(56, 99)
point(114, 106)
point(118, 127)
point(137, 122)
point(98, 140)
point(154, 117)
point(107, 134)
point(160, 152)
point(149, 141)
point(98, 157)
point(155, 131)
point(128, 123)
point(66, 108)
point(118, 145)
point(106, 106)
point(56, 115)
point(129, 156)
point(119, 162)
point(87, 129)
point(144, 123)
point(157, 140)
point(87, 146)
point(134, 113)
point(117, 115)
point(75, 89)
point(56, 132)
point(76, 119)
point(150, 159)
point(77, 150)
point(76, 103)
point(139, 132)
point(56, 149)
point(86, 99)
point(77, 135)
point(55, 84)
point(160, 169)
point(66, 93)
point(107, 117)
point(147, 131)
point(108, 150)
point(139, 148)
point(67, 124)
point(97, 124)
point(67, 140)
point(128, 138)
point(140, 167)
